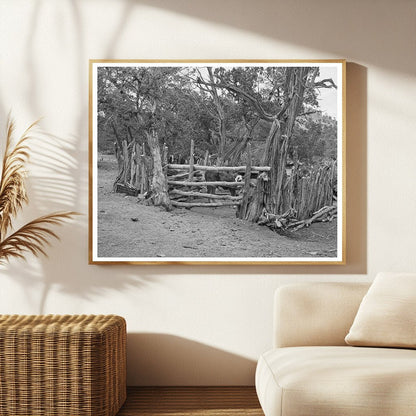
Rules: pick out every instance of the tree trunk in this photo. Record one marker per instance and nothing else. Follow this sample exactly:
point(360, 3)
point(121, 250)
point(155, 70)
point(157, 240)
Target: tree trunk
point(269, 192)
point(280, 136)
point(296, 90)
point(118, 147)
point(160, 195)
point(271, 141)
point(221, 119)
point(124, 170)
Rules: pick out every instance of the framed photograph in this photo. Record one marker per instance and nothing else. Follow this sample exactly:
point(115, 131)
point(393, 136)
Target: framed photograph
point(217, 162)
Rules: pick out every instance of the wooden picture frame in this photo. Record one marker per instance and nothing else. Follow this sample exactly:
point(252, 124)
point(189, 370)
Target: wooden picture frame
point(217, 162)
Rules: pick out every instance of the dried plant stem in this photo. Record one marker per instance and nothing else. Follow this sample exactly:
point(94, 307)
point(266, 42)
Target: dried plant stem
point(34, 236)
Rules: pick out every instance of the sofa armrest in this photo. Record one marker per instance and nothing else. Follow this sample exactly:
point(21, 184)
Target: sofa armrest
point(309, 314)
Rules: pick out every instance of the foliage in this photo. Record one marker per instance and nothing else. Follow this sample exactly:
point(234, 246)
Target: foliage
point(315, 137)
point(231, 106)
point(33, 236)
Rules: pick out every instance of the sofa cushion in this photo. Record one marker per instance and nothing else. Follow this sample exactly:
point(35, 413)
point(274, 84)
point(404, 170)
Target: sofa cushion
point(387, 314)
point(341, 381)
point(315, 314)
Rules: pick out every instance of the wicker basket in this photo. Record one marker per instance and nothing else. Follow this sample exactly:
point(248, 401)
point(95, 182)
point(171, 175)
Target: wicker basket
point(52, 365)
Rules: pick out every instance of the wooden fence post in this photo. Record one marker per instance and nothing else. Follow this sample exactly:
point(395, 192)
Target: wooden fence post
point(132, 165)
point(165, 159)
point(126, 161)
point(206, 158)
point(138, 167)
point(191, 162)
point(144, 176)
point(242, 209)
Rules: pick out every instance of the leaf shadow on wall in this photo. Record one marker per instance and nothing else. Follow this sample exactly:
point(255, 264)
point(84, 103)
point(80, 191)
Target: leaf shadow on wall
point(164, 359)
point(53, 187)
point(338, 28)
point(79, 82)
point(59, 181)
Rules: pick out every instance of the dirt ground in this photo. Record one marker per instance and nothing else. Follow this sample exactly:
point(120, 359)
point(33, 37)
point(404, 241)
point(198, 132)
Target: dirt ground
point(128, 228)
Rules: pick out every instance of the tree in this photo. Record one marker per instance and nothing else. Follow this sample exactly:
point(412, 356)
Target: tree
point(279, 95)
point(133, 101)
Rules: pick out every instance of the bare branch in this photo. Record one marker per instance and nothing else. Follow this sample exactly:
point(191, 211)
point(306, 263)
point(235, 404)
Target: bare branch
point(325, 83)
point(263, 114)
point(308, 113)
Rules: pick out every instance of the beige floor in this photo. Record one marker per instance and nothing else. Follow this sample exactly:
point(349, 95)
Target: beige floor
point(187, 401)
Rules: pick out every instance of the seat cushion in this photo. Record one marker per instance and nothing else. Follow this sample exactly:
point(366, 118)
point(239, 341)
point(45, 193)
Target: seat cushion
point(341, 381)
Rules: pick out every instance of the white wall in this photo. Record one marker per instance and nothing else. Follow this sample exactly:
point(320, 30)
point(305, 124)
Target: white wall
point(204, 324)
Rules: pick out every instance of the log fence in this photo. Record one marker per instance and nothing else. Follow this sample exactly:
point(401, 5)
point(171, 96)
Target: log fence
point(305, 191)
point(195, 194)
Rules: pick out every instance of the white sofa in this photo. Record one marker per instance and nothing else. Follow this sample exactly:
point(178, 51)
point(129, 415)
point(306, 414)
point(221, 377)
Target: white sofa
point(311, 371)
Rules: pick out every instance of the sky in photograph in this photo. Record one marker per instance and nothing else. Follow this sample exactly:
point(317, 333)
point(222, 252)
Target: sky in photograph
point(327, 97)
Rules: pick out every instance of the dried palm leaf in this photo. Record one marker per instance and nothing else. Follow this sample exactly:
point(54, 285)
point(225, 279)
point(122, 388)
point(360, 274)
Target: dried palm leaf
point(12, 184)
point(33, 237)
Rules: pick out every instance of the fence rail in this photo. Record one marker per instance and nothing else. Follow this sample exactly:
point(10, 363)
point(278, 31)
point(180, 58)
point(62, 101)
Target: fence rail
point(254, 169)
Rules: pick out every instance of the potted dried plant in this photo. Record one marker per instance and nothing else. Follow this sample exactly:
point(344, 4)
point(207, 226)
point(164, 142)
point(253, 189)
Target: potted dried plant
point(34, 236)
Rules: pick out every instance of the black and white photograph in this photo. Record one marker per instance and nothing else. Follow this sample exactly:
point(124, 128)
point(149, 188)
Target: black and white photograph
point(217, 162)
